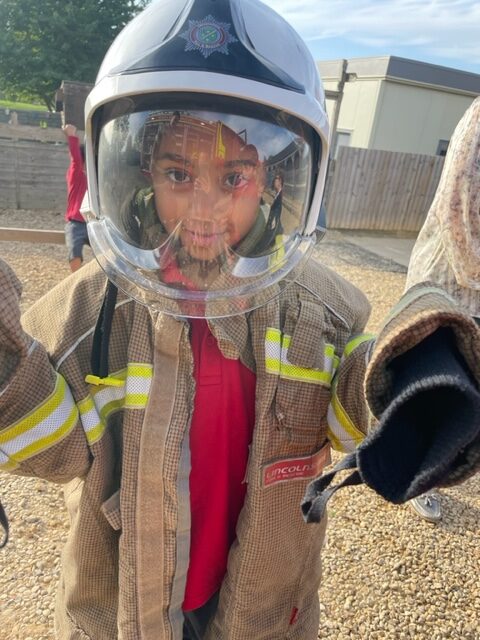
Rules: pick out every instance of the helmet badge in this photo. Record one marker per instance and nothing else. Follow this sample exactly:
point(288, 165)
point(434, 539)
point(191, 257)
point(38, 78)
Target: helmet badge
point(208, 36)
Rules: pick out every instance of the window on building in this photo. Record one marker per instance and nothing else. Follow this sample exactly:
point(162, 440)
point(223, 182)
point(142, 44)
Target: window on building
point(342, 139)
point(442, 147)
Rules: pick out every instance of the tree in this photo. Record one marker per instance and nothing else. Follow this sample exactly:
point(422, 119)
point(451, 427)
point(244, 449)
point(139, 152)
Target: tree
point(43, 43)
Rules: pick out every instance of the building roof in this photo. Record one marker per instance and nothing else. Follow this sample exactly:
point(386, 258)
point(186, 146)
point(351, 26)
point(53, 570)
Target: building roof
point(403, 70)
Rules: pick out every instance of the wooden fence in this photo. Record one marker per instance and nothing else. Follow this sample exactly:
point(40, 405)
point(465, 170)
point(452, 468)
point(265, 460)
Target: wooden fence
point(32, 175)
point(380, 190)
point(366, 189)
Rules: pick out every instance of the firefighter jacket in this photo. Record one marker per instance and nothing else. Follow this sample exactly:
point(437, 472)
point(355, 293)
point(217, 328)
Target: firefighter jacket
point(121, 449)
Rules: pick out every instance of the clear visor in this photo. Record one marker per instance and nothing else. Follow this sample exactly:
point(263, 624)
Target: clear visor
point(202, 212)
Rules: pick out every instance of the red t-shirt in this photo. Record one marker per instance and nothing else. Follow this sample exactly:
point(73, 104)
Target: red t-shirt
point(76, 181)
point(220, 435)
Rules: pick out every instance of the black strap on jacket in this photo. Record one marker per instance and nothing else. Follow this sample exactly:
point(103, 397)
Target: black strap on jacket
point(4, 523)
point(101, 336)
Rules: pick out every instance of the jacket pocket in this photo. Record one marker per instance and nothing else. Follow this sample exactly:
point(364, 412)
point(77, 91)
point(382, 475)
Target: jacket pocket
point(111, 510)
point(304, 358)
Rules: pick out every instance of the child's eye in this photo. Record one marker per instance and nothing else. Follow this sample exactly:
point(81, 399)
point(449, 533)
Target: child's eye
point(177, 176)
point(234, 180)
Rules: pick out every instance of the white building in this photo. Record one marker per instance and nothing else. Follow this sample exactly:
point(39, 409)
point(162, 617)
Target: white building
point(395, 104)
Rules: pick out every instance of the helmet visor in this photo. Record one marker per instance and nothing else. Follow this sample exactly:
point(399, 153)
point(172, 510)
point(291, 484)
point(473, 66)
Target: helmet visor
point(202, 208)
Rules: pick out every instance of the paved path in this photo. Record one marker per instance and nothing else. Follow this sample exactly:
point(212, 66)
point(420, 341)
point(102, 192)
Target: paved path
point(390, 247)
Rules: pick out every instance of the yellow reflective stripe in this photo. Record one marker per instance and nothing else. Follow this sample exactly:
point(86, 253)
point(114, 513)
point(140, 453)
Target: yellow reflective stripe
point(103, 401)
point(92, 424)
point(110, 407)
point(41, 428)
point(306, 374)
point(136, 400)
point(342, 427)
point(37, 415)
point(140, 370)
point(6, 463)
point(315, 376)
point(273, 335)
point(272, 365)
point(355, 342)
point(137, 387)
point(276, 360)
point(273, 341)
point(329, 350)
point(48, 440)
point(96, 433)
point(334, 441)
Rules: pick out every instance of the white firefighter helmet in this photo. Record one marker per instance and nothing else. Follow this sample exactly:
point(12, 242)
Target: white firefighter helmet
point(207, 147)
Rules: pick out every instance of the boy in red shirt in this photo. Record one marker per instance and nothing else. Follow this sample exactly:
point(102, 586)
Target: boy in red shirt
point(76, 235)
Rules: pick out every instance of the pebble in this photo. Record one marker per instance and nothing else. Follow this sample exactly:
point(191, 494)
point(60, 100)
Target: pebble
point(387, 574)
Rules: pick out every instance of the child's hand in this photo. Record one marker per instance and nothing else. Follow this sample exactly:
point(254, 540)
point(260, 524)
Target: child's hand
point(69, 130)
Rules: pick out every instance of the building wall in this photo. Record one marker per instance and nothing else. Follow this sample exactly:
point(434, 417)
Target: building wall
point(413, 119)
point(357, 113)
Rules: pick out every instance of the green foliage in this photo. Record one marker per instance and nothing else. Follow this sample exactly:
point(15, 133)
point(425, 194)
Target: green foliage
point(43, 43)
point(24, 106)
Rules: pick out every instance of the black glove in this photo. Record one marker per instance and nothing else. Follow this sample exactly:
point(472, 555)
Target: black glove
point(423, 434)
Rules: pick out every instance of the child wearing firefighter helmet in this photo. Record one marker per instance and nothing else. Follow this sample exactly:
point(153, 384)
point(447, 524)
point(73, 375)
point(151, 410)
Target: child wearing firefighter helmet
point(188, 414)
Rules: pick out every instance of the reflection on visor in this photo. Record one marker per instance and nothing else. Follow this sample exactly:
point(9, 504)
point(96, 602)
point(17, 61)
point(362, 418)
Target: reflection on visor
point(200, 199)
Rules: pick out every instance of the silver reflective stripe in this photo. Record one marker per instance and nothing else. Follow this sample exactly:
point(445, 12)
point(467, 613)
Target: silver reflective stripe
point(41, 429)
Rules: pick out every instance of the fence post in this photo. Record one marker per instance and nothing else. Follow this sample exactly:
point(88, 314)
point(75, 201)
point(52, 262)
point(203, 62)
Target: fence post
point(17, 176)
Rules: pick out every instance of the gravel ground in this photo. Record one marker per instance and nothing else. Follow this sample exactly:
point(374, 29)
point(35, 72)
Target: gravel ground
point(387, 573)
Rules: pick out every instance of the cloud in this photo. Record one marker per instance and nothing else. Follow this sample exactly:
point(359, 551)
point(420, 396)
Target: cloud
point(447, 28)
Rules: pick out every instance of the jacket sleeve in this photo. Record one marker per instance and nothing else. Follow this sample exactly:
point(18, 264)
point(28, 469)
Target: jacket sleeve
point(349, 417)
point(40, 430)
point(422, 384)
point(75, 154)
point(420, 409)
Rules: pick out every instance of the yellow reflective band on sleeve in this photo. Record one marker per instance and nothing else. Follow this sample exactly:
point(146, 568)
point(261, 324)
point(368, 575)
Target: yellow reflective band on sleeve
point(357, 341)
point(276, 361)
point(342, 433)
point(92, 424)
point(102, 402)
point(41, 429)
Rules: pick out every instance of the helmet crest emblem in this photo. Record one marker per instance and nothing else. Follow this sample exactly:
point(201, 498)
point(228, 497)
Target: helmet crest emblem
point(208, 36)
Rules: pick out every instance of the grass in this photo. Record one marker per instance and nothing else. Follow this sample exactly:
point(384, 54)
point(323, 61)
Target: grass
point(10, 104)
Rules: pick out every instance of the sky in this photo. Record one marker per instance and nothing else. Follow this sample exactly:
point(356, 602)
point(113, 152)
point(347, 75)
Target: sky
point(442, 32)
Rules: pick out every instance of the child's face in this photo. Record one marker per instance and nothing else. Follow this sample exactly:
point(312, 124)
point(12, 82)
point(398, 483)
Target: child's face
point(207, 186)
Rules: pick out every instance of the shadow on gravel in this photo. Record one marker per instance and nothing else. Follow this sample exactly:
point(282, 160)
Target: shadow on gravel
point(342, 252)
point(459, 516)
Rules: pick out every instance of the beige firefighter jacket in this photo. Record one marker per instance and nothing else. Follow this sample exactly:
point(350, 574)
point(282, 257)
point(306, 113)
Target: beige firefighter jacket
point(122, 451)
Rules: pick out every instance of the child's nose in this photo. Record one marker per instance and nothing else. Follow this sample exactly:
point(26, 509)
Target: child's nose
point(206, 196)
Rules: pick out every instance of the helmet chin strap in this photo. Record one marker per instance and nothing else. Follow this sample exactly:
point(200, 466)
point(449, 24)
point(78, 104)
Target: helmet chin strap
point(4, 523)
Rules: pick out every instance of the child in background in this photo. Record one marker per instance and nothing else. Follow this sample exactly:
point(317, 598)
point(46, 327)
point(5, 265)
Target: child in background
point(76, 235)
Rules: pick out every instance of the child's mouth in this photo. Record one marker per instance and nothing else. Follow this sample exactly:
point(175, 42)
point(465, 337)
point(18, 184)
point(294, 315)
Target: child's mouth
point(203, 238)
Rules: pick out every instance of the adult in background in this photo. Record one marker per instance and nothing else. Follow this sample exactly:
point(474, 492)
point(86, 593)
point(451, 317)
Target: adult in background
point(274, 223)
point(76, 235)
point(447, 251)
